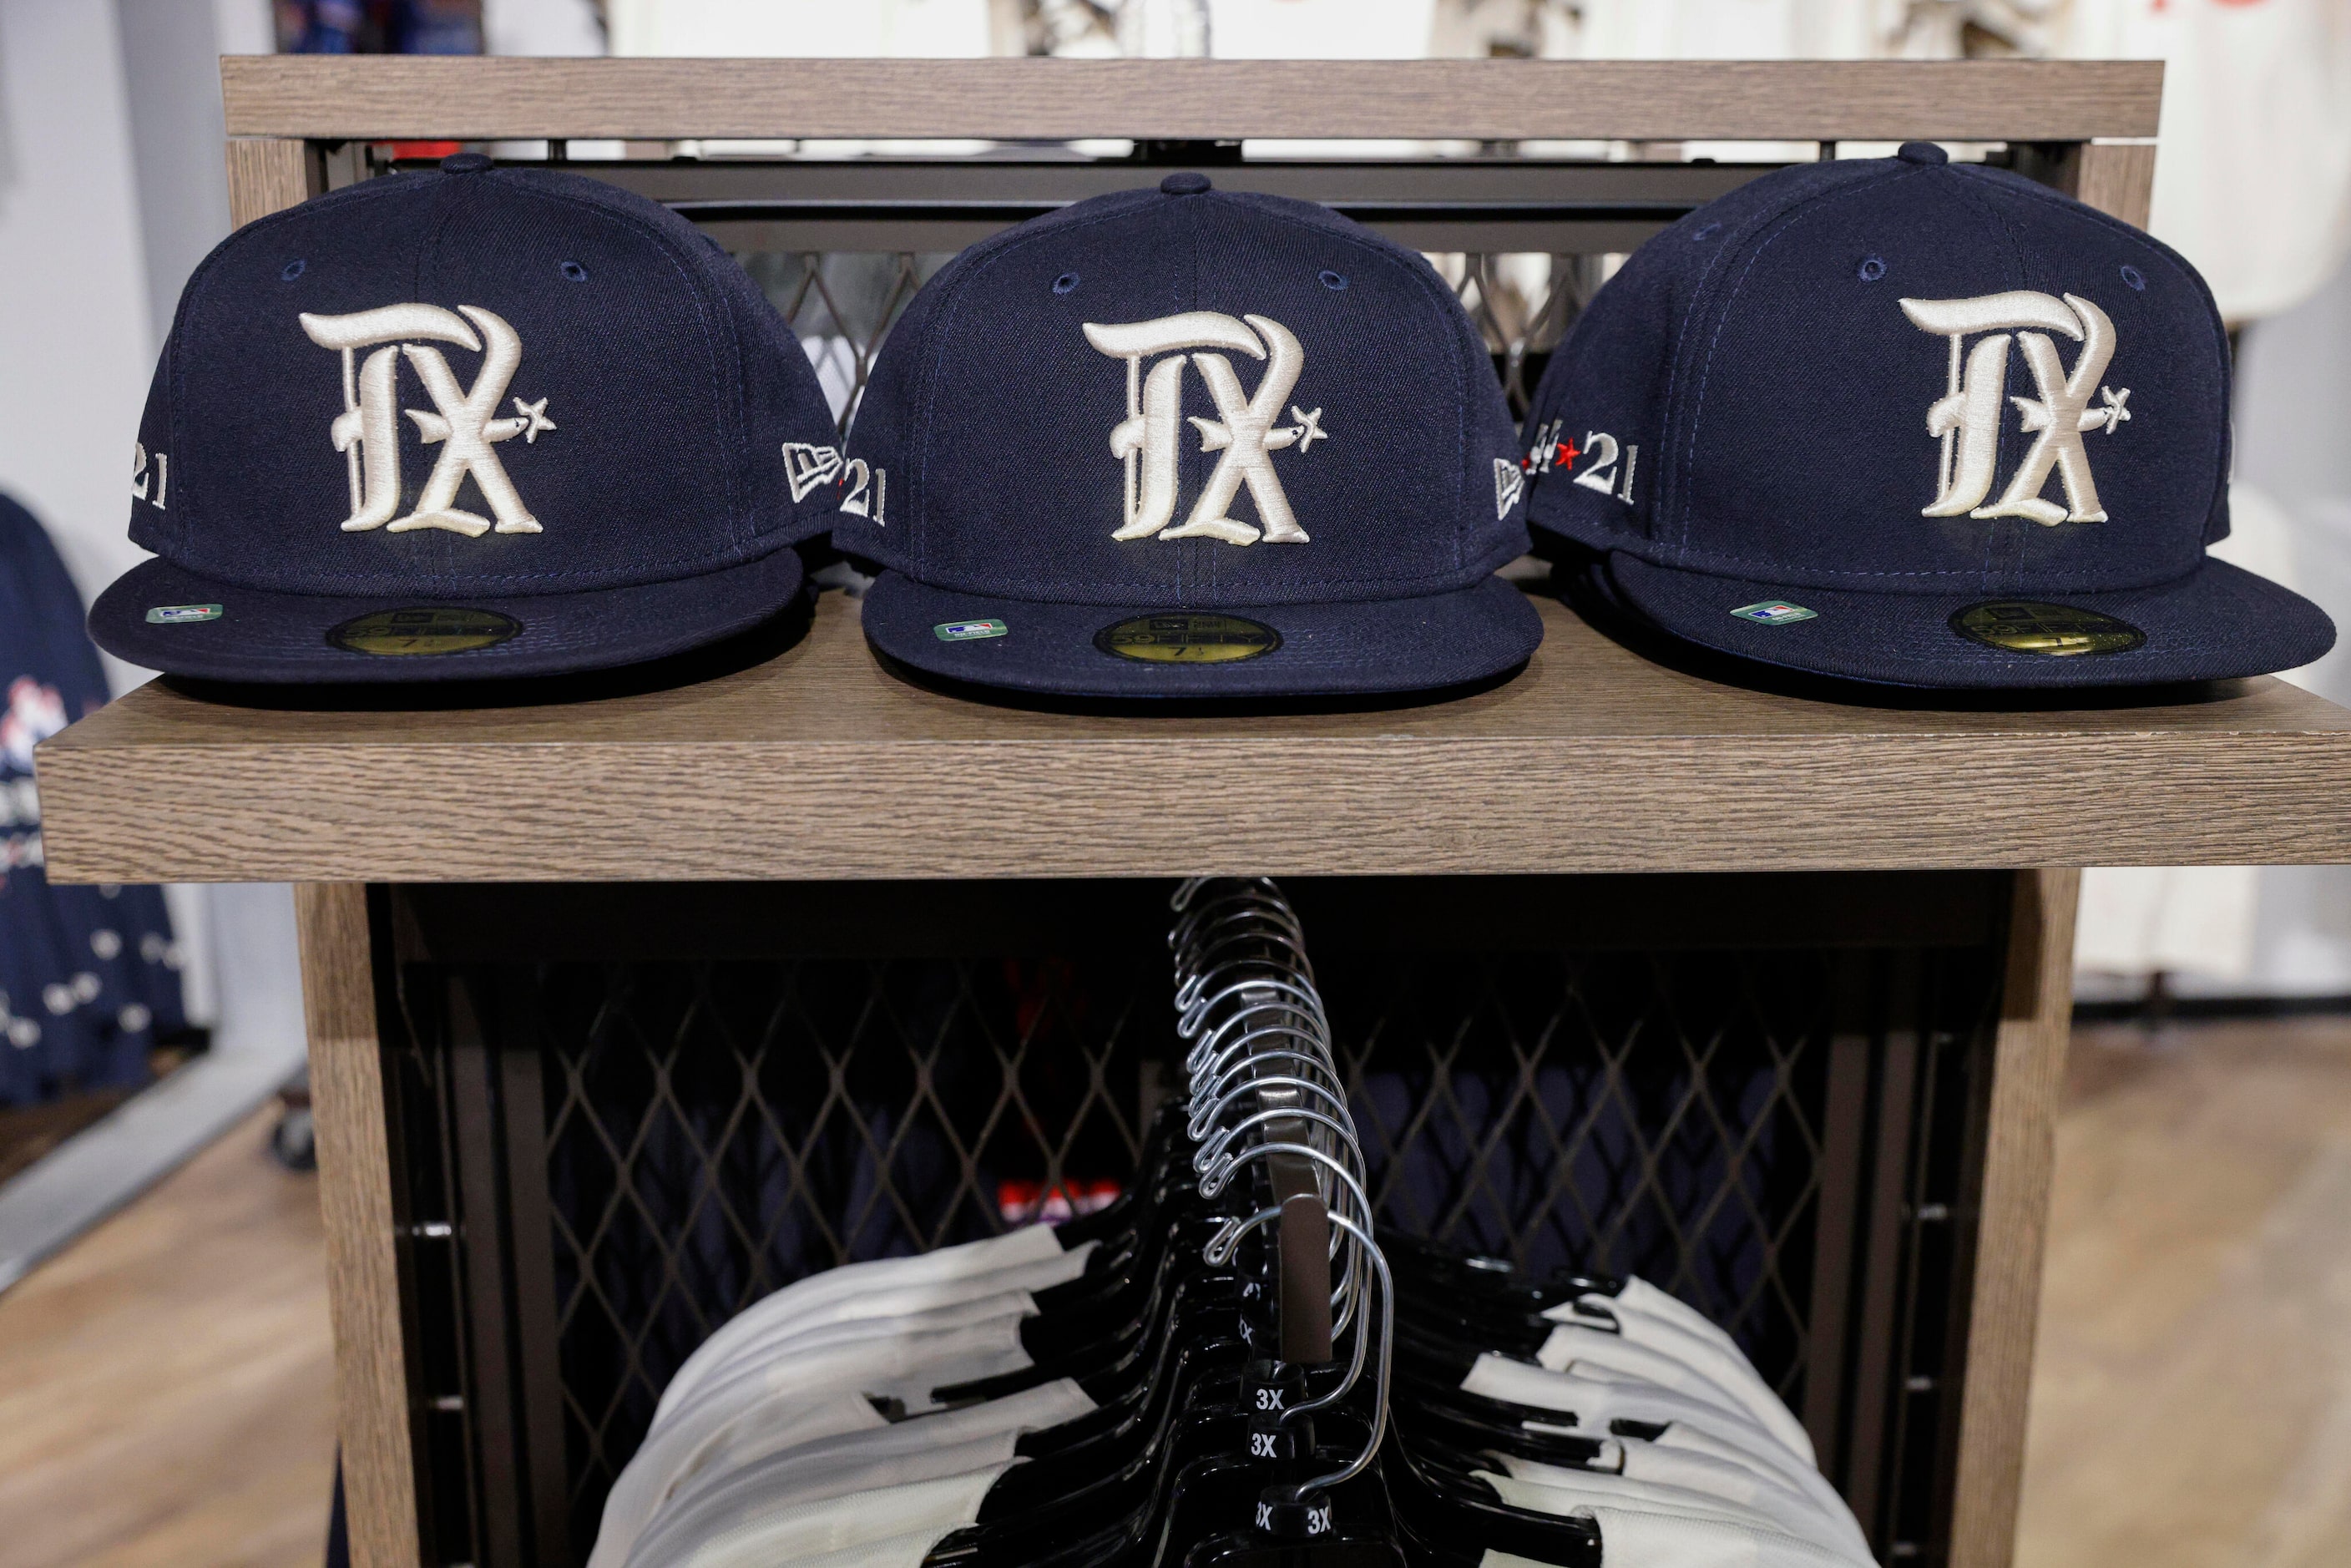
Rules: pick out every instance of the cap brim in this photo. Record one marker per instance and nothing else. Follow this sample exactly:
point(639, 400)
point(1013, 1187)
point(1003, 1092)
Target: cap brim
point(2218, 622)
point(1367, 647)
point(270, 637)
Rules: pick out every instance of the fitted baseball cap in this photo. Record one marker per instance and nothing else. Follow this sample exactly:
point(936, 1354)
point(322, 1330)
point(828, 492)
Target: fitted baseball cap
point(1912, 422)
point(464, 423)
point(1188, 443)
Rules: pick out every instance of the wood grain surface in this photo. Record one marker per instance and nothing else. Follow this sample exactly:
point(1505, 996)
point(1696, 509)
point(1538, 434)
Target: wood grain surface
point(2117, 178)
point(167, 1380)
point(382, 97)
point(267, 176)
point(2012, 1208)
point(821, 763)
point(347, 1100)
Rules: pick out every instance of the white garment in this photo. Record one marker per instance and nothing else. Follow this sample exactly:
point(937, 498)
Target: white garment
point(1643, 1538)
point(792, 1535)
point(1571, 1344)
point(541, 28)
point(729, 1514)
point(2252, 175)
point(852, 1281)
point(806, 29)
point(1639, 1545)
point(2195, 920)
point(1655, 1459)
point(1746, 1484)
point(736, 1482)
point(1594, 1404)
point(1737, 1478)
point(886, 1362)
point(1712, 1355)
point(1561, 1488)
point(760, 1328)
point(908, 1550)
point(1637, 1295)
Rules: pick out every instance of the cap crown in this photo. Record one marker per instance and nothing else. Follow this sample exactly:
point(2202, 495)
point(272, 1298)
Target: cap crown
point(1184, 398)
point(1905, 377)
point(511, 381)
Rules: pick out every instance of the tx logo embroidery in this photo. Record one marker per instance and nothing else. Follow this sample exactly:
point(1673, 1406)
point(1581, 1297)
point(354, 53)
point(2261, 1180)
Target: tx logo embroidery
point(368, 430)
point(1968, 415)
point(1243, 428)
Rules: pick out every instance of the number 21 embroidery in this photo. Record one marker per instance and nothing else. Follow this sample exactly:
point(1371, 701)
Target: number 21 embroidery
point(1609, 471)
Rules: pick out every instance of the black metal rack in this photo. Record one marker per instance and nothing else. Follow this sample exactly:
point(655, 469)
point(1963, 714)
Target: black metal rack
point(615, 1133)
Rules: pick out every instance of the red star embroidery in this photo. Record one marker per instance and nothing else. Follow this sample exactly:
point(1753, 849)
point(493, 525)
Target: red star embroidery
point(1569, 452)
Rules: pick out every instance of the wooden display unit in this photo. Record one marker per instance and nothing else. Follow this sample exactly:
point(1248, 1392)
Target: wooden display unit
point(819, 765)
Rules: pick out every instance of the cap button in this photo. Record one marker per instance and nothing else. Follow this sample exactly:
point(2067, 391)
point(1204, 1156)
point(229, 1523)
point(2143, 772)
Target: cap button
point(1922, 152)
point(463, 163)
point(1186, 183)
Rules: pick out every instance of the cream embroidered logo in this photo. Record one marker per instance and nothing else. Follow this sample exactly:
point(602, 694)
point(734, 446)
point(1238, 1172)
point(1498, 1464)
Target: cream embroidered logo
point(1967, 417)
point(462, 420)
point(1243, 430)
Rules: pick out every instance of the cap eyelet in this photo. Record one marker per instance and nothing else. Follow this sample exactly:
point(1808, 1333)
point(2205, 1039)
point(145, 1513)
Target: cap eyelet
point(1333, 281)
point(292, 270)
point(574, 271)
point(1871, 268)
point(1705, 232)
point(2135, 278)
point(1066, 283)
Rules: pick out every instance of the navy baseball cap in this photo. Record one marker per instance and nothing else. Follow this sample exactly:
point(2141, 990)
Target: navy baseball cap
point(1188, 443)
point(1912, 422)
point(465, 424)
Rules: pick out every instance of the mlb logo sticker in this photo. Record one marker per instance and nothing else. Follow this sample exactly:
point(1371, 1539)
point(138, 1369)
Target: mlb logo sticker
point(968, 631)
point(178, 614)
point(1774, 613)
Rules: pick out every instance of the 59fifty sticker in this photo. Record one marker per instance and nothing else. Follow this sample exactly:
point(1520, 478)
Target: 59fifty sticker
point(180, 614)
point(2055, 631)
point(435, 629)
point(1187, 637)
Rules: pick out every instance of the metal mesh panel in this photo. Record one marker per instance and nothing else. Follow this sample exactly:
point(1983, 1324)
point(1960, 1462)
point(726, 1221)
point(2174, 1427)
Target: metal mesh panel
point(1617, 1114)
point(842, 304)
point(715, 1130)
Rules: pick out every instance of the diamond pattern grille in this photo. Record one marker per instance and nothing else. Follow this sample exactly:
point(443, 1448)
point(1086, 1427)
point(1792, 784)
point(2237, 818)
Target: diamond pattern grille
point(1619, 1114)
point(842, 304)
point(715, 1130)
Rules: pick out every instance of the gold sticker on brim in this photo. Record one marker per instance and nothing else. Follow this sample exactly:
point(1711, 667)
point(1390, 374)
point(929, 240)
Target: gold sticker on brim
point(2056, 631)
point(1185, 637)
point(436, 630)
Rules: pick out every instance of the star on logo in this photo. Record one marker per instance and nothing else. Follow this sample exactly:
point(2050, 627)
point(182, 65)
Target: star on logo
point(2114, 411)
point(1309, 427)
point(1569, 452)
point(535, 416)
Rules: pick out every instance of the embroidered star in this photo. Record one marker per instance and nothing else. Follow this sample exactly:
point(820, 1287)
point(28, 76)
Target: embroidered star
point(535, 413)
point(1569, 452)
point(1310, 427)
point(2114, 413)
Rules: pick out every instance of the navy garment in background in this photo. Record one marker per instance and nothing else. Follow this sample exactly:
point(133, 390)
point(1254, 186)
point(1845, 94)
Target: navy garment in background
point(90, 974)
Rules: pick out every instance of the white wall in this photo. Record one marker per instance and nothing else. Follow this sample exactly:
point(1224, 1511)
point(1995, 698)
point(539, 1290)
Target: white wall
point(77, 338)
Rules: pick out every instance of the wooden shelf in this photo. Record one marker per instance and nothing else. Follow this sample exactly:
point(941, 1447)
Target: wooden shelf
point(821, 764)
point(377, 97)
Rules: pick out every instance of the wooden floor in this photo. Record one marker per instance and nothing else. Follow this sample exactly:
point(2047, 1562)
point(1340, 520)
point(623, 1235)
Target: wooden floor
point(2192, 1404)
point(166, 1384)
